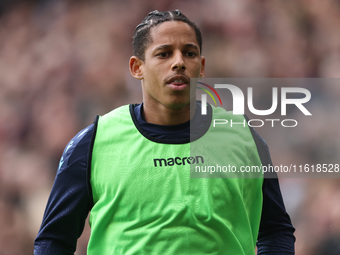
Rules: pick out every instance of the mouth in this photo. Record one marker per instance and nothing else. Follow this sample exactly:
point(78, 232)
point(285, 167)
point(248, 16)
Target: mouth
point(178, 82)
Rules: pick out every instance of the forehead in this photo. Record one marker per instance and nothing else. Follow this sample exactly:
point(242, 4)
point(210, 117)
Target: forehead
point(172, 33)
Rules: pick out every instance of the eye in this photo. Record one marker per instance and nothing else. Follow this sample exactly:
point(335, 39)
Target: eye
point(190, 54)
point(164, 54)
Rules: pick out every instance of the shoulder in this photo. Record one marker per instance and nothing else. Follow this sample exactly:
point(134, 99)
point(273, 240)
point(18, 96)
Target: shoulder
point(117, 112)
point(228, 115)
point(78, 147)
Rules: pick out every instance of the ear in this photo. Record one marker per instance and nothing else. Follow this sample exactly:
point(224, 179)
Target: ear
point(135, 64)
point(202, 72)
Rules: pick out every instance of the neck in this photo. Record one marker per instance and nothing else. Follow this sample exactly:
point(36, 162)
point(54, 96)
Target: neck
point(162, 115)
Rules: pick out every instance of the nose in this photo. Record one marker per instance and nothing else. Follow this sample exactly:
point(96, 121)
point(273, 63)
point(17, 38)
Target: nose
point(178, 63)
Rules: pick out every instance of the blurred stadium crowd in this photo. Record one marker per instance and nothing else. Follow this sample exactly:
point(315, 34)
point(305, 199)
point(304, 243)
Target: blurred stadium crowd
point(62, 62)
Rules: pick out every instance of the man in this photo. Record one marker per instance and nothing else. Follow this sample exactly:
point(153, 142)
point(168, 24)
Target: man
point(131, 168)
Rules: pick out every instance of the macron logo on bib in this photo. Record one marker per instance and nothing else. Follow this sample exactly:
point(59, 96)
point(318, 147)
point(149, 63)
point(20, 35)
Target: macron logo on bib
point(178, 161)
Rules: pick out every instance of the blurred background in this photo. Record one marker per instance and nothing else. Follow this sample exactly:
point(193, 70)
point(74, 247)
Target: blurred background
point(63, 62)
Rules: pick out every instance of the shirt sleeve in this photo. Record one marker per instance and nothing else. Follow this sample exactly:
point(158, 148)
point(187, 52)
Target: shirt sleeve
point(276, 233)
point(69, 201)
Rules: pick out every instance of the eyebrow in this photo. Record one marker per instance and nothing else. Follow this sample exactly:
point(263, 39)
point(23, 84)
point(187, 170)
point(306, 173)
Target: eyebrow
point(166, 46)
point(191, 45)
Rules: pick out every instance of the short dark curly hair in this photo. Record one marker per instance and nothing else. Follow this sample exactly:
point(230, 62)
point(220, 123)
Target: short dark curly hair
point(142, 38)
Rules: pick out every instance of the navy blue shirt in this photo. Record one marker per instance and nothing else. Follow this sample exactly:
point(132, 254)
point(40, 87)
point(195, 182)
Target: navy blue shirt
point(70, 200)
